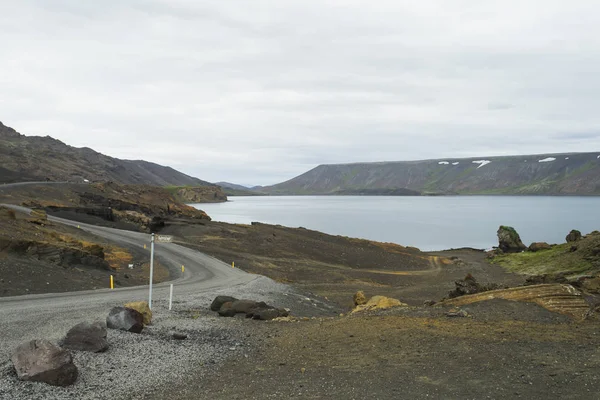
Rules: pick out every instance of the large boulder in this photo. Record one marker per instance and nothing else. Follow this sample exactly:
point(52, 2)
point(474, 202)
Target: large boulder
point(509, 240)
point(226, 310)
point(42, 361)
point(143, 308)
point(573, 236)
point(86, 337)
point(246, 306)
point(252, 309)
point(219, 301)
point(125, 319)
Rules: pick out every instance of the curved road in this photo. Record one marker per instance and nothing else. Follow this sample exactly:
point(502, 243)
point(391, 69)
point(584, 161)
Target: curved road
point(50, 315)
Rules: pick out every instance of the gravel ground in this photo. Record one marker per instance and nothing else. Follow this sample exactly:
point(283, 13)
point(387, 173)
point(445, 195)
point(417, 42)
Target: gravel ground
point(138, 365)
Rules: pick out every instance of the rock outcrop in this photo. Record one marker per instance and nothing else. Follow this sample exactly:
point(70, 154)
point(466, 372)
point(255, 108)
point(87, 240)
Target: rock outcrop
point(143, 308)
point(509, 240)
point(86, 337)
point(42, 361)
point(125, 319)
point(201, 194)
point(573, 236)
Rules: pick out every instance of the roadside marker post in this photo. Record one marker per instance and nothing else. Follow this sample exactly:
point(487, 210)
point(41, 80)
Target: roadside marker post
point(233, 264)
point(151, 270)
point(182, 269)
point(171, 297)
point(112, 282)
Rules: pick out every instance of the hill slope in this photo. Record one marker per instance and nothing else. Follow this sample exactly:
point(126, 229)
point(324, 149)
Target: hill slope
point(549, 174)
point(36, 158)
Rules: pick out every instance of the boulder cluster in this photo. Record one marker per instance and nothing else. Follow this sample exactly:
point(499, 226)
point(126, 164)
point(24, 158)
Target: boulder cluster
point(469, 285)
point(228, 306)
point(509, 241)
point(43, 361)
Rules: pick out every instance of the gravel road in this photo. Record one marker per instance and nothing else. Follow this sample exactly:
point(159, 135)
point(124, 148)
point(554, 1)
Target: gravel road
point(137, 365)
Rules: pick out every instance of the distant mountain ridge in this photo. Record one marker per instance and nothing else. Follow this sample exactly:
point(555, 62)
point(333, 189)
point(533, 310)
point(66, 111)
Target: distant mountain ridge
point(233, 189)
point(37, 158)
point(229, 185)
point(545, 174)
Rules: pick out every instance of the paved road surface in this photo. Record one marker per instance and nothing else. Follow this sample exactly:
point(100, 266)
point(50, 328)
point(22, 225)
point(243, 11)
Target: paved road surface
point(50, 315)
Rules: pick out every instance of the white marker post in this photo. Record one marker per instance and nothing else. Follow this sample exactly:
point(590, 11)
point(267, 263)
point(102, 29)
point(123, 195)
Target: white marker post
point(171, 297)
point(151, 270)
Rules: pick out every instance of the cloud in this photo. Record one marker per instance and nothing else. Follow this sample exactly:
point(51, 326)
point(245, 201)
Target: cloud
point(257, 93)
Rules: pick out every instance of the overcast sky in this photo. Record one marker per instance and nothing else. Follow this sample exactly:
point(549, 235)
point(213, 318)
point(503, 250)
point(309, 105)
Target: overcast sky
point(256, 92)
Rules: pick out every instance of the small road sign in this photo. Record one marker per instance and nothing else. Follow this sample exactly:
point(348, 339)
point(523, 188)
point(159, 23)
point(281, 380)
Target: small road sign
point(164, 238)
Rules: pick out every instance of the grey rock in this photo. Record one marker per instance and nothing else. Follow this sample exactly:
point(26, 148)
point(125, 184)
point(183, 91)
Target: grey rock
point(179, 336)
point(219, 301)
point(87, 337)
point(226, 310)
point(42, 361)
point(125, 319)
point(247, 306)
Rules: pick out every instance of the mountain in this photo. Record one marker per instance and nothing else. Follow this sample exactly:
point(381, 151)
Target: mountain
point(547, 174)
point(228, 185)
point(232, 189)
point(36, 158)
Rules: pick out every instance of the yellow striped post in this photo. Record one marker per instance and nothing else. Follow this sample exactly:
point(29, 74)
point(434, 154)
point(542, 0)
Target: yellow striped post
point(182, 269)
point(233, 264)
point(112, 283)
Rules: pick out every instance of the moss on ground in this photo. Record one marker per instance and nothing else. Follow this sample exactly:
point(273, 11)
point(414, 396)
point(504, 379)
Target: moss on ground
point(562, 258)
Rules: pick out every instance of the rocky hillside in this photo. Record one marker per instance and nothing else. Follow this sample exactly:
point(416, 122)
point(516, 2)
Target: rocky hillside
point(36, 158)
point(547, 174)
point(198, 194)
point(135, 207)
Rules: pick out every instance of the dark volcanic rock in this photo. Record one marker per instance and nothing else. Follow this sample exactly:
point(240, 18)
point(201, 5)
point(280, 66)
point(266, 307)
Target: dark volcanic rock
point(469, 285)
point(573, 236)
point(42, 361)
point(125, 319)
point(246, 306)
point(509, 240)
point(219, 301)
point(87, 337)
point(267, 314)
point(537, 246)
point(226, 310)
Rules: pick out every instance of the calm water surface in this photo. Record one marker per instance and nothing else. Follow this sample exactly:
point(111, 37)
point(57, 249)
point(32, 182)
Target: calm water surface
point(429, 223)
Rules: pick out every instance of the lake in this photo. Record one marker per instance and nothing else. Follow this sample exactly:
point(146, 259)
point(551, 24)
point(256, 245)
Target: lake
point(429, 223)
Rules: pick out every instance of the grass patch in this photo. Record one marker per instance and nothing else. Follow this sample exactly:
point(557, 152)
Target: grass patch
point(117, 258)
point(559, 259)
